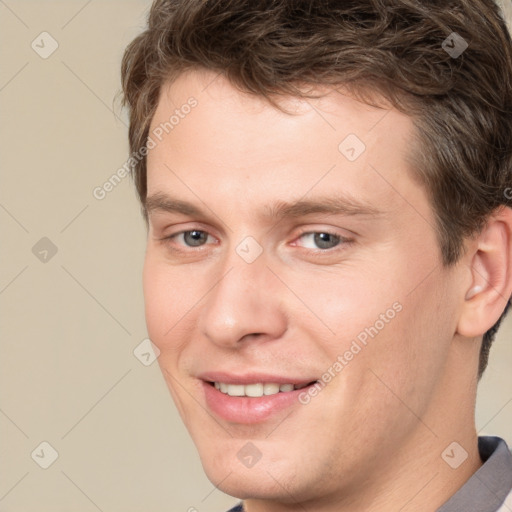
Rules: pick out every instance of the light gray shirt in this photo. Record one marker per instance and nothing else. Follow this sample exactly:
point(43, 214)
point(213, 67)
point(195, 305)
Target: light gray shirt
point(489, 489)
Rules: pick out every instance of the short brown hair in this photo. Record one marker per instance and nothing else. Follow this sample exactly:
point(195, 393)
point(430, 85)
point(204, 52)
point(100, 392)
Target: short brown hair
point(461, 105)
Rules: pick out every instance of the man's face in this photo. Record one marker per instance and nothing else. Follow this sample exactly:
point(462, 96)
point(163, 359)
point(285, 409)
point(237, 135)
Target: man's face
point(246, 291)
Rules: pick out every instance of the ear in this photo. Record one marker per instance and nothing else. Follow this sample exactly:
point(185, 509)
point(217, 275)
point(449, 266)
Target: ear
point(491, 276)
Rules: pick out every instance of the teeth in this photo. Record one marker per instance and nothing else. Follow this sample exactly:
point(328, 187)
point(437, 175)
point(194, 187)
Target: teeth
point(255, 390)
point(270, 389)
point(236, 389)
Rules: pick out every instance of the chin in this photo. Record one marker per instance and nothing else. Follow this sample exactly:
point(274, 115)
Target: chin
point(265, 480)
point(257, 485)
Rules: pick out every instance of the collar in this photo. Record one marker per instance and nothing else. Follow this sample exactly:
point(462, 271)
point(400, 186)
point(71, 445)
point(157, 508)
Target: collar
point(488, 488)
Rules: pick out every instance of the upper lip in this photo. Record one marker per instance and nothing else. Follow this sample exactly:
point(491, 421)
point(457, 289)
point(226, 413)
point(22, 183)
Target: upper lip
point(252, 378)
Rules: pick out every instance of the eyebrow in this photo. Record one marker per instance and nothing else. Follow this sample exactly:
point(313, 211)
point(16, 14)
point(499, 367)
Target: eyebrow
point(338, 204)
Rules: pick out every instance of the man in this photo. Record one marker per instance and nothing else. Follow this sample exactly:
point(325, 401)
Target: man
point(328, 193)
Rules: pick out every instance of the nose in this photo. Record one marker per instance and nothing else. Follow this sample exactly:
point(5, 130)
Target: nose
point(245, 303)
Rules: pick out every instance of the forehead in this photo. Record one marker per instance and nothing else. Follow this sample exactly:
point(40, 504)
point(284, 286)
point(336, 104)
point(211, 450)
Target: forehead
point(222, 103)
point(212, 139)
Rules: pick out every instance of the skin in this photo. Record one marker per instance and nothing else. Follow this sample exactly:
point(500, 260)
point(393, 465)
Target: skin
point(381, 424)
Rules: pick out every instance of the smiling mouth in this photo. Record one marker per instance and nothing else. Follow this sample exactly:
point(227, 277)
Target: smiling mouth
point(257, 390)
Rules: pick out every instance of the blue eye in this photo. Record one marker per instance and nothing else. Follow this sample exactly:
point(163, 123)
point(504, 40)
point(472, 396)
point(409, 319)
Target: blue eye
point(317, 241)
point(193, 238)
point(322, 239)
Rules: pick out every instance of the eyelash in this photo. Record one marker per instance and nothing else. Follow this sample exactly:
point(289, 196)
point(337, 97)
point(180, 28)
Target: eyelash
point(343, 241)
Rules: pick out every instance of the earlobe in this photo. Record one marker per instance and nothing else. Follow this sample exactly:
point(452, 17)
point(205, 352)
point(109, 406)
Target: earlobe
point(491, 276)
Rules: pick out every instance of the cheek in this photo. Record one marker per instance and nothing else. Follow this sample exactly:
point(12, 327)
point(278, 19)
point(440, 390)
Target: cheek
point(170, 295)
point(395, 317)
point(156, 299)
point(408, 356)
point(347, 301)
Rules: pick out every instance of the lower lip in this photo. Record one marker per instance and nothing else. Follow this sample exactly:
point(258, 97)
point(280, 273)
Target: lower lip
point(243, 409)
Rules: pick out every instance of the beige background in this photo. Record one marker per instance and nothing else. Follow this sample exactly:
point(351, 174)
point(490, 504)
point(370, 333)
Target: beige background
point(69, 326)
